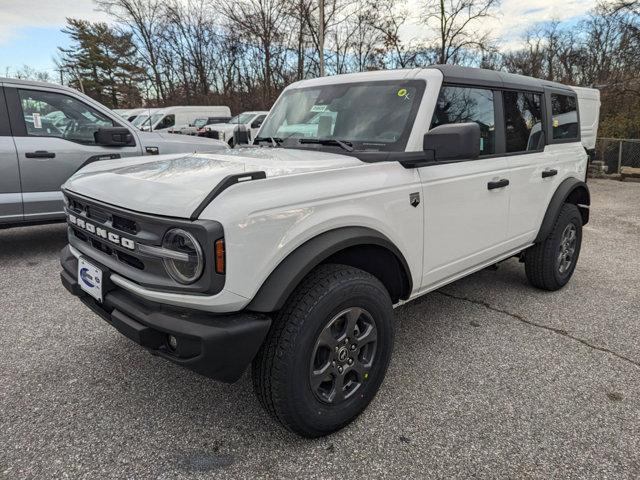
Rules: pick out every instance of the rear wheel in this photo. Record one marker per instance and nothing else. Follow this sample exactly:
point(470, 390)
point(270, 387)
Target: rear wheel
point(328, 351)
point(550, 264)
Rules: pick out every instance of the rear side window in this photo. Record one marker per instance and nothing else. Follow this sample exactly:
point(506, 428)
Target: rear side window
point(461, 105)
point(523, 121)
point(48, 114)
point(564, 113)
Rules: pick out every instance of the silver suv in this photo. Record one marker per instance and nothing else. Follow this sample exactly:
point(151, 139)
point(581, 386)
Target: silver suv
point(48, 132)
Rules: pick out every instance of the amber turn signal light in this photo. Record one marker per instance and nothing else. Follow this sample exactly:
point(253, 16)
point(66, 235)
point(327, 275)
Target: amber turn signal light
point(220, 255)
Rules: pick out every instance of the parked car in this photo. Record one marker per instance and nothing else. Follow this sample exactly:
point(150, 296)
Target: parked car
point(47, 132)
point(292, 254)
point(134, 113)
point(192, 128)
point(165, 118)
point(251, 121)
point(142, 116)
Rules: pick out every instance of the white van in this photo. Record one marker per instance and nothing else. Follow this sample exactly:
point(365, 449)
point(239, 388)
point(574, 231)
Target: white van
point(589, 107)
point(169, 117)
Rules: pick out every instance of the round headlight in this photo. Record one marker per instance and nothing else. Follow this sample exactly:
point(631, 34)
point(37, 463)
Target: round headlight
point(189, 269)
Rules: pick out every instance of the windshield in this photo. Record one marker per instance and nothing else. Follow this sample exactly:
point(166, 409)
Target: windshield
point(139, 120)
point(200, 122)
point(369, 115)
point(155, 118)
point(242, 118)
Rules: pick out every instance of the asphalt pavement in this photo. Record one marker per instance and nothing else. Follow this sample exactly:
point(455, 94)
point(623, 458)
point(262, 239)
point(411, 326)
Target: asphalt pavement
point(490, 378)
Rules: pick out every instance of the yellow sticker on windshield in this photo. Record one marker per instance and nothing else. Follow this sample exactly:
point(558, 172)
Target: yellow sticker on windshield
point(402, 92)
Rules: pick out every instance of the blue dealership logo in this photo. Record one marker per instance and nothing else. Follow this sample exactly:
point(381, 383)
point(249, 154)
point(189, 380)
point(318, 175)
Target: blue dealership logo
point(86, 277)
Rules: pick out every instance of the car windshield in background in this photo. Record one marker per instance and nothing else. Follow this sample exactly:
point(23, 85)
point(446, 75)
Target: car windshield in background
point(139, 120)
point(242, 118)
point(368, 115)
point(200, 122)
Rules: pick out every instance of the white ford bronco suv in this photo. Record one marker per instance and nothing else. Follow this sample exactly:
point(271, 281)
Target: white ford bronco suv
point(292, 253)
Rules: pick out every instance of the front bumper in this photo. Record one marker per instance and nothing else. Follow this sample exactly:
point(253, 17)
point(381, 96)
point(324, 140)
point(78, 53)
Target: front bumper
point(216, 346)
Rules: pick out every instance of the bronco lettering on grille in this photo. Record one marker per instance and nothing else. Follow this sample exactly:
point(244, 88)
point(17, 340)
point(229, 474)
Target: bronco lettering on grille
point(102, 233)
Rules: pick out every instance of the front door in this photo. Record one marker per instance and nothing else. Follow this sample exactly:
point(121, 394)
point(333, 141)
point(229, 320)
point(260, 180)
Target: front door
point(466, 203)
point(54, 137)
point(10, 195)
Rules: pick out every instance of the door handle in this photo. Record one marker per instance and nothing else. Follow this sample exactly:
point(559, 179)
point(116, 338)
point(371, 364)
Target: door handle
point(498, 184)
point(549, 173)
point(40, 154)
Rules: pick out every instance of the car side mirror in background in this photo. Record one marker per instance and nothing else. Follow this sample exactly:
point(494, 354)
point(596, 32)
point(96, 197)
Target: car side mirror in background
point(241, 135)
point(114, 137)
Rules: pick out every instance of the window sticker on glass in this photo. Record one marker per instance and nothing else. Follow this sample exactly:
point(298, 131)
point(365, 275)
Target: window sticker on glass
point(37, 121)
point(318, 108)
point(402, 92)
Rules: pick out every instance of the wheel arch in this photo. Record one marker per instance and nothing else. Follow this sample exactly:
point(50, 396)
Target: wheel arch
point(571, 190)
point(359, 247)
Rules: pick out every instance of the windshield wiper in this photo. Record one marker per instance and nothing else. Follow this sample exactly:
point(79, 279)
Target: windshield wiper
point(275, 141)
point(329, 141)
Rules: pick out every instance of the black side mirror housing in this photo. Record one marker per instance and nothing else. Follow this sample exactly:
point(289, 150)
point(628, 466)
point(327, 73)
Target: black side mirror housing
point(241, 135)
point(450, 142)
point(114, 137)
point(453, 141)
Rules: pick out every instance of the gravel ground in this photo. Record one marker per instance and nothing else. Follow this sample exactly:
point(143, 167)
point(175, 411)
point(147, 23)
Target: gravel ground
point(490, 378)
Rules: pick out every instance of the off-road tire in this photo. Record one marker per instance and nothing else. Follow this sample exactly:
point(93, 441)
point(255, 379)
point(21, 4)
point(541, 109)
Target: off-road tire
point(541, 261)
point(281, 369)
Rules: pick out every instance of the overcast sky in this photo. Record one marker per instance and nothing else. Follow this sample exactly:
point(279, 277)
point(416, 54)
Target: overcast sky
point(30, 29)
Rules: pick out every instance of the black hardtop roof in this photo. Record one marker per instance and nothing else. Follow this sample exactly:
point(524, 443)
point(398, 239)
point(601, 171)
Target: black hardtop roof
point(492, 78)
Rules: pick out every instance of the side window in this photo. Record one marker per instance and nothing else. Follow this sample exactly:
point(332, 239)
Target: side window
point(463, 104)
point(564, 114)
point(167, 121)
point(258, 121)
point(523, 121)
point(48, 114)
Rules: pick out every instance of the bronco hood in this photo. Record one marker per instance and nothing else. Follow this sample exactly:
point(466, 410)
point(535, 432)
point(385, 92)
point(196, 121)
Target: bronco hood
point(175, 185)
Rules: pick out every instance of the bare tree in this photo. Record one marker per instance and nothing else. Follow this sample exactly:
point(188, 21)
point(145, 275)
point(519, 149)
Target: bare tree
point(144, 19)
point(262, 21)
point(456, 22)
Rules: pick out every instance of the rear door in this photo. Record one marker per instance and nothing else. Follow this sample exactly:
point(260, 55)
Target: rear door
point(54, 136)
point(10, 194)
point(531, 164)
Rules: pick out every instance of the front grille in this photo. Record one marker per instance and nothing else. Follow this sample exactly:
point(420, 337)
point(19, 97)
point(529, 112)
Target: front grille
point(214, 134)
point(124, 224)
point(96, 214)
point(114, 237)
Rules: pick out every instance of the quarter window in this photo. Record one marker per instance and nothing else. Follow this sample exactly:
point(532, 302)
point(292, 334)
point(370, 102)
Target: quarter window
point(48, 114)
point(564, 113)
point(462, 104)
point(523, 121)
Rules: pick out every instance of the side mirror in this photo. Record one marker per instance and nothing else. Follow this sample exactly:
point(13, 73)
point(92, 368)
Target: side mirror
point(241, 135)
point(453, 141)
point(113, 137)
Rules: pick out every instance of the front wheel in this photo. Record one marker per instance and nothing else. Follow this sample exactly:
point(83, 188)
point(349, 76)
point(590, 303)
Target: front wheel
point(550, 264)
point(327, 352)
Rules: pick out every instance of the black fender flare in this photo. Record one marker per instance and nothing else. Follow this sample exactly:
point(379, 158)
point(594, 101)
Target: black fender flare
point(571, 190)
point(289, 273)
